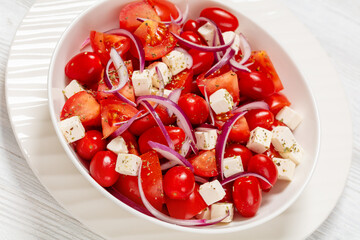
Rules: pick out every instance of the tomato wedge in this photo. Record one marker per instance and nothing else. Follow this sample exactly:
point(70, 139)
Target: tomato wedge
point(205, 164)
point(164, 9)
point(85, 106)
point(240, 132)
point(131, 143)
point(182, 80)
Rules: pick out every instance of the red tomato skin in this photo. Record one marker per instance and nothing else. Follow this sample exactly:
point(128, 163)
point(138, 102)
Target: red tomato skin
point(182, 80)
point(191, 25)
point(85, 67)
point(128, 186)
point(276, 102)
point(255, 85)
point(192, 37)
point(131, 143)
point(247, 196)
point(89, 145)
point(228, 193)
point(164, 9)
point(179, 183)
point(236, 149)
point(263, 165)
point(259, 118)
point(186, 209)
point(154, 134)
point(204, 163)
point(223, 19)
point(102, 168)
point(240, 131)
point(195, 107)
point(202, 61)
point(271, 152)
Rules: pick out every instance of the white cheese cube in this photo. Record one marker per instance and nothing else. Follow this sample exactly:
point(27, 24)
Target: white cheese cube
point(204, 214)
point(221, 101)
point(72, 88)
point(229, 36)
point(72, 129)
point(285, 167)
point(128, 164)
point(289, 117)
point(206, 140)
point(176, 61)
point(219, 210)
point(142, 82)
point(207, 31)
point(117, 145)
point(232, 165)
point(260, 140)
point(165, 72)
point(212, 192)
point(155, 91)
point(285, 143)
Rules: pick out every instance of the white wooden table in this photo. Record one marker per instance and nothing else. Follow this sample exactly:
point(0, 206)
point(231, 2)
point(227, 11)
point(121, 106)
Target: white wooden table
point(27, 211)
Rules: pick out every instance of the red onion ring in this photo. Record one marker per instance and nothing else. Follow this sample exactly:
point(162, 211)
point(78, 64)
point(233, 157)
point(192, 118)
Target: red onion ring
point(121, 71)
point(185, 148)
point(250, 106)
point(230, 53)
point(243, 174)
point(167, 165)
point(200, 179)
point(218, 31)
point(210, 109)
point(174, 96)
point(205, 127)
point(124, 125)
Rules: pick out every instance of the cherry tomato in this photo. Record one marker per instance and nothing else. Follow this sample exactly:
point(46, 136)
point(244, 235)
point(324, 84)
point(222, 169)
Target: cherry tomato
point(240, 131)
point(259, 118)
point(255, 85)
point(179, 182)
point(236, 149)
point(85, 106)
point(223, 19)
point(85, 67)
point(102, 168)
point(263, 165)
point(247, 195)
point(164, 9)
point(128, 186)
point(277, 123)
point(89, 145)
point(191, 25)
point(195, 107)
point(228, 193)
point(202, 61)
point(154, 134)
point(192, 37)
point(205, 164)
point(182, 80)
point(271, 152)
point(276, 102)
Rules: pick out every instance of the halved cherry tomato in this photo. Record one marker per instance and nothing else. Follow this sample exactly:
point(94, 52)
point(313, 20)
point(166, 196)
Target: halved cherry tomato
point(156, 39)
point(240, 131)
point(164, 9)
point(247, 195)
point(259, 118)
point(223, 19)
point(179, 183)
point(236, 149)
point(85, 106)
point(255, 85)
point(85, 67)
point(195, 107)
point(182, 80)
point(202, 61)
point(130, 12)
point(276, 102)
point(186, 209)
point(205, 164)
point(192, 37)
point(263, 165)
point(102, 168)
point(114, 111)
point(89, 145)
point(154, 134)
point(191, 25)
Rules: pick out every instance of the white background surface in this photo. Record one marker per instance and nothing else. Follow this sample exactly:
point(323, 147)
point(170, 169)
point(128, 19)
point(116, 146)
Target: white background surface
point(27, 211)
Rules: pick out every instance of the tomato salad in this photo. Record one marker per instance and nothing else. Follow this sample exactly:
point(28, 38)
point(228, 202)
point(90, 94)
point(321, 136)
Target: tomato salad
point(179, 118)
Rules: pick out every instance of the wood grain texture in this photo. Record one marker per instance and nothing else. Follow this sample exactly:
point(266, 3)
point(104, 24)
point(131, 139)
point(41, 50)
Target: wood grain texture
point(27, 211)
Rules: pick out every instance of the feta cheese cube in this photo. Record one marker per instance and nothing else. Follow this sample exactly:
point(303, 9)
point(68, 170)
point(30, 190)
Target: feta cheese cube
point(232, 165)
point(155, 91)
point(165, 72)
point(212, 192)
point(289, 117)
point(204, 214)
point(72, 88)
point(128, 164)
point(221, 101)
point(142, 82)
point(228, 37)
point(285, 143)
point(285, 167)
point(72, 129)
point(117, 145)
point(260, 140)
point(176, 61)
point(219, 210)
point(207, 31)
point(206, 140)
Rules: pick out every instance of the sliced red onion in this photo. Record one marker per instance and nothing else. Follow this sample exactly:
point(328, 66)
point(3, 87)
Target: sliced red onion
point(124, 125)
point(188, 57)
point(205, 127)
point(170, 154)
point(230, 53)
point(222, 140)
point(218, 31)
point(186, 13)
point(121, 71)
point(200, 179)
point(245, 49)
point(243, 174)
point(210, 109)
point(161, 78)
point(174, 96)
point(237, 67)
point(166, 218)
point(252, 105)
point(148, 106)
point(185, 148)
point(167, 165)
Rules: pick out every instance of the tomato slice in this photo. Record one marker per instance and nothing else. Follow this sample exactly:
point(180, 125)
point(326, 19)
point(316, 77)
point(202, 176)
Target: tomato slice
point(240, 131)
point(113, 111)
point(164, 9)
point(131, 143)
point(156, 39)
point(186, 209)
point(182, 80)
point(101, 43)
point(205, 164)
point(85, 106)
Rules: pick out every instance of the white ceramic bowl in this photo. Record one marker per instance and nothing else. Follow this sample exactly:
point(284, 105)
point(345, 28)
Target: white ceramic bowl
point(104, 16)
